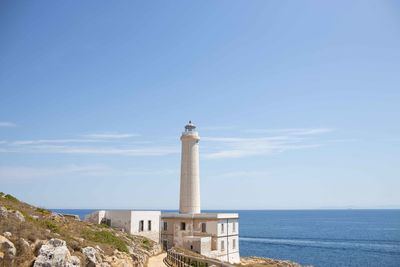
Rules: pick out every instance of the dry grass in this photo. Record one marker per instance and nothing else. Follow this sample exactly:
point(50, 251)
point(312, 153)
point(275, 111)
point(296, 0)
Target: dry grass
point(77, 234)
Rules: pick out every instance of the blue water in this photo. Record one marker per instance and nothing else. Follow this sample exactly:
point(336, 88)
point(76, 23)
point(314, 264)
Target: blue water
point(319, 237)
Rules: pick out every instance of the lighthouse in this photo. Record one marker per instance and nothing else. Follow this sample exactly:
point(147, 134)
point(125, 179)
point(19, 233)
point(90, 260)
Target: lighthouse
point(214, 235)
point(189, 202)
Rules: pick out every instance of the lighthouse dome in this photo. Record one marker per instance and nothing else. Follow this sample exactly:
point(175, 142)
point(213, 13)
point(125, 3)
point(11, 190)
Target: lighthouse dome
point(190, 126)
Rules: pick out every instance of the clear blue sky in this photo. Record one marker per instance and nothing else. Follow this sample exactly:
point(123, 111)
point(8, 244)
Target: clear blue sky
point(297, 102)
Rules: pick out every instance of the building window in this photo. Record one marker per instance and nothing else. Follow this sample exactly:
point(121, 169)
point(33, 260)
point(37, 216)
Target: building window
point(234, 243)
point(165, 226)
point(222, 228)
point(141, 226)
point(183, 226)
point(149, 225)
point(234, 227)
point(203, 227)
point(222, 245)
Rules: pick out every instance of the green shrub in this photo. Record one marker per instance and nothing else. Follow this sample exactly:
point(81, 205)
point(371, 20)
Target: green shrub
point(43, 211)
point(146, 244)
point(27, 216)
point(1, 194)
point(51, 225)
point(8, 207)
point(11, 198)
point(106, 237)
point(103, 225)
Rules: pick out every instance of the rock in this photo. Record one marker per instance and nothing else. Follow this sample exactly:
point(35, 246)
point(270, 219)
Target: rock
point(56, 217)
point(20, 217)
point(139, 257)
point(35, 247)
point(119, 259)
point(7, 234)
point(98, 248)
point(3, 212)
point(92, 256)
point(75, 261)
point(250, 261)
point(75, 245)
point(35, 217)
point(24, 245)
point(55, 253)
point(71, 216)
point(7, 251)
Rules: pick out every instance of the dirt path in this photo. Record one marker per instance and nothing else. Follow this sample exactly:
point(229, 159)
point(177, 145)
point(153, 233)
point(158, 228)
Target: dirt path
point(157, 261)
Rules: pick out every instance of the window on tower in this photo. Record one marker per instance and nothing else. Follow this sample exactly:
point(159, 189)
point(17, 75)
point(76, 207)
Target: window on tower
point(183, 226)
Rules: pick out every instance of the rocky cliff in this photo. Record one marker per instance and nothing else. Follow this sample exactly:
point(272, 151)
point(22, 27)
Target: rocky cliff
point(32, 236)
point(266, 262)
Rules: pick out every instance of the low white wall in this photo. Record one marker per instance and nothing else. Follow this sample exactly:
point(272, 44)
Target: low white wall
point(128, 220)
point(120, 219)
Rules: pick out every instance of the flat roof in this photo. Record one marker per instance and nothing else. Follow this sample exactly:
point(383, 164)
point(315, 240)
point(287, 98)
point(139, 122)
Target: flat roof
point(128, 211)
point(200, 215)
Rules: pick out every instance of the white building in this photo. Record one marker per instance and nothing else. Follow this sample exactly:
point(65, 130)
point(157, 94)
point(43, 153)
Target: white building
point(215, 235)
point(135, 222)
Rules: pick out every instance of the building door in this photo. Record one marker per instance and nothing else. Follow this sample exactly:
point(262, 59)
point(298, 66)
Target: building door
point(165, 244)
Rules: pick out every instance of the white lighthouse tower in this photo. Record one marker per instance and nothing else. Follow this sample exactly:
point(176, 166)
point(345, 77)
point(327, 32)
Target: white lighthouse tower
point(189, 202)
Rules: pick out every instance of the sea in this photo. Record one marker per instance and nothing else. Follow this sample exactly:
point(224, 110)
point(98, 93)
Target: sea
point(332, 238)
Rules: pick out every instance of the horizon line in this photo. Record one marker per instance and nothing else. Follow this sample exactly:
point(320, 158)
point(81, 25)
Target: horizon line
point(249, 209)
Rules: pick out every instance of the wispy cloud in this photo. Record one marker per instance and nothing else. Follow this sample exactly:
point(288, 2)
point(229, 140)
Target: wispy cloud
point(245, 144)
point(22, 172)
point(95, 144)
point(94, 150)
point(7, 124)
point(292, 131)
point(217, 128)
point(243, 174)
point(110, 135)
point(277, 141)
point(53, 141)
point(28, 172)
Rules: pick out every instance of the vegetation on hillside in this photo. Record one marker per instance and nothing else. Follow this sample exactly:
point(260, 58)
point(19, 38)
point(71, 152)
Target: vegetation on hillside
point(41, 224)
